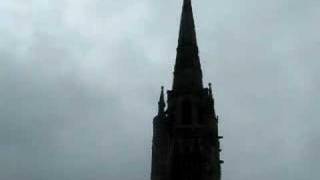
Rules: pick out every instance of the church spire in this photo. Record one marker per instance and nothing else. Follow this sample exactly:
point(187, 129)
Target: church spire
point(187, 72)
point(185, 144)
point(187, 34)
point(161, 103)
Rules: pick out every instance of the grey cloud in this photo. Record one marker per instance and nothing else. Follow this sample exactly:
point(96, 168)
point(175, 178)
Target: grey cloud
point(80, 82)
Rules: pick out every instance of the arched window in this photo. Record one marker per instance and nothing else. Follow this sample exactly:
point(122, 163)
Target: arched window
point(186, 112)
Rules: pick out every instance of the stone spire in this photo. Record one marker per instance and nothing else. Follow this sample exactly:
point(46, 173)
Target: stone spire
point(187, 71)
point(161, 103)
point(185, 143)
point(187, 34)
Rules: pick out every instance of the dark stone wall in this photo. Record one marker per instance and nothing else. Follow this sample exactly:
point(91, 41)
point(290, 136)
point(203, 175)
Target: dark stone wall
point(185, 140)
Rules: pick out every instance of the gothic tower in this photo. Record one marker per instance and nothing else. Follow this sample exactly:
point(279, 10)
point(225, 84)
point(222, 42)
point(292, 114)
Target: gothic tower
point(185, 133)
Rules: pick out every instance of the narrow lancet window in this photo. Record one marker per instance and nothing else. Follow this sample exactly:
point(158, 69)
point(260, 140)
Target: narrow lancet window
point(186, 112)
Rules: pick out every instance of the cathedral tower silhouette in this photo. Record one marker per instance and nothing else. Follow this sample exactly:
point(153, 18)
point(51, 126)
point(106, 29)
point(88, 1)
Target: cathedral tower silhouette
point(185, 131)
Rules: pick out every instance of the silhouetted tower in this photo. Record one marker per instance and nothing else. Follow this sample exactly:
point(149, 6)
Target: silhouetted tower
point(185, 133)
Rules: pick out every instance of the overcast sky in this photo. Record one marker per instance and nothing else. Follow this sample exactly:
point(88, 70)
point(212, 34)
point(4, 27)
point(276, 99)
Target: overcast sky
point(80, 80)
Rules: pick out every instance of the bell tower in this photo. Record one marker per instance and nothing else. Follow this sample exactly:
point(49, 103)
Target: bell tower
point(185, 131)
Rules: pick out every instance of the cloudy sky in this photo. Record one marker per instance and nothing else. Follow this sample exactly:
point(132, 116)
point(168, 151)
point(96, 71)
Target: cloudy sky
point(80, 80)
